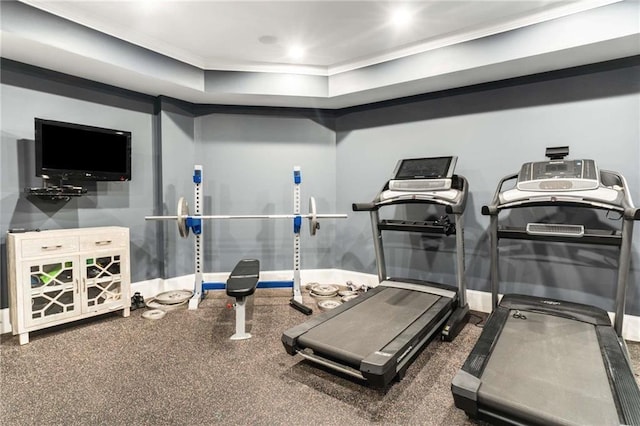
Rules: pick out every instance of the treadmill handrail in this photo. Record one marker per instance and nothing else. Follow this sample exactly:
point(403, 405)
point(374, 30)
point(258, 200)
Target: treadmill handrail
point(572, 198)
point(413, 198)
point(364, 207)
point(492, 208)
point(627, 201)
point(455, 205)
point(569, 198)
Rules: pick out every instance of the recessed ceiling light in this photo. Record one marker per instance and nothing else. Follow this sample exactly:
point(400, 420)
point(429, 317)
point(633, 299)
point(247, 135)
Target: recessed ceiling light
point(296, 52)
point(401, 17)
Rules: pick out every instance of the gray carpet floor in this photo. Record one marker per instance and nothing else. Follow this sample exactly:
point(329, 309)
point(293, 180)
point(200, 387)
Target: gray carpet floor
point(184, 370)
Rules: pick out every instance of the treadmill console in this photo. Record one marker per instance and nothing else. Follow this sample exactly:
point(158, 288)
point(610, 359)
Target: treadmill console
point(423, 174)
point(558, 175)
point(563, 180)
point(429, 180)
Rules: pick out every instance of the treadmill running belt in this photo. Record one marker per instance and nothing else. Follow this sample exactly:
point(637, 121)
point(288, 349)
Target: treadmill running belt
point(549, 368)
point(368, 327)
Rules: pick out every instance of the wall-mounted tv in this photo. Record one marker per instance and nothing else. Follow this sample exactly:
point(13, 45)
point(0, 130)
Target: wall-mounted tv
point(69, 151)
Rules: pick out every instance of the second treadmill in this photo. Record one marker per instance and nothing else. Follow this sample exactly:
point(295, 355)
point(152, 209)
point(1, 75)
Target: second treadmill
point(377, 335)
point(545, 361)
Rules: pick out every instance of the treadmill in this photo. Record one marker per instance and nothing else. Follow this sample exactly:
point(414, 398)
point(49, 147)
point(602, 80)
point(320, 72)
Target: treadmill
point(541, 361)
point(377, 335)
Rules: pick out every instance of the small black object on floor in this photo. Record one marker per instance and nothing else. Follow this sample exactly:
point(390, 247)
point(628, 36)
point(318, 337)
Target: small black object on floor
point(137, 301)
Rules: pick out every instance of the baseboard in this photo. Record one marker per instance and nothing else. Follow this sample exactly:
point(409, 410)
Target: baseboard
point(150, 288)
point(5, 325)
point(479, 301)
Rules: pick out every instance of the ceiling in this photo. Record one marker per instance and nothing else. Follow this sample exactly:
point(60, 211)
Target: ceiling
point(254, 35)
point(251, 39)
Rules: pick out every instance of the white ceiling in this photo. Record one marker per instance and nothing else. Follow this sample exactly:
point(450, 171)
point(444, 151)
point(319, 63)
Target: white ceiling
point(253, 36)
point(338, 34)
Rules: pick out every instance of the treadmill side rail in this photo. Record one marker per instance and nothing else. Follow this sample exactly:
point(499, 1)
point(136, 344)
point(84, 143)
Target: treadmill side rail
point(477, 359)
point(382, 366)
point(622, 380)
point(465, 392)
point(311, 356)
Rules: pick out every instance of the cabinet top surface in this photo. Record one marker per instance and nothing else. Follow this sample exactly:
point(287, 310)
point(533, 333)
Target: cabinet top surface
point(67, 232)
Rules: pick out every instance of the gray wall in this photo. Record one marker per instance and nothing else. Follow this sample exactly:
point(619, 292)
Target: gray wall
point(494, 129)
point(346, 156)
point(27, 93)
point(248, 158)
point(177, 147)
point(248, 161)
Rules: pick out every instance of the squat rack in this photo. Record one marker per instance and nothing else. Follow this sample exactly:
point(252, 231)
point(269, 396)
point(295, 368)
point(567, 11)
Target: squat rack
point(187, 222)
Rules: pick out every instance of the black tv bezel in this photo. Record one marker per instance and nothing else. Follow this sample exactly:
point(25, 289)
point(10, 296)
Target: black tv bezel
point(79, 174)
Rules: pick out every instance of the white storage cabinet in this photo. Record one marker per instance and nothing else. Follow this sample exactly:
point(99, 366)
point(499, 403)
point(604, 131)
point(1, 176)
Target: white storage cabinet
point(64, 275)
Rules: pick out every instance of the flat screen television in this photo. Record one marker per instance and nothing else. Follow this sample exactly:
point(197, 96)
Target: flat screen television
point(77, 152)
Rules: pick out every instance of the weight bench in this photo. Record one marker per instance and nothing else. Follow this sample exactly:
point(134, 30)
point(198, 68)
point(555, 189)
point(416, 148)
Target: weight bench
point(241, 284)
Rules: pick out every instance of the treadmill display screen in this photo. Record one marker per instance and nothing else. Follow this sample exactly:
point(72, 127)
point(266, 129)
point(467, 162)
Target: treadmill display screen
point(572, 169)
point(426, 168)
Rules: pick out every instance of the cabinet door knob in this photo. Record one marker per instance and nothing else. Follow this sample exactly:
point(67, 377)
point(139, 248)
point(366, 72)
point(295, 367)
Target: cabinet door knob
point(103, 243)
point(52, 247)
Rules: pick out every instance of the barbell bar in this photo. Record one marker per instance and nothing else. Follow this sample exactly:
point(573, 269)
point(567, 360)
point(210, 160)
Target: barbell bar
point(183, 217)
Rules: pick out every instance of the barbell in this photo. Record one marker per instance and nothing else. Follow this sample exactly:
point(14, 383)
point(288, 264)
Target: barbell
point(183, 218)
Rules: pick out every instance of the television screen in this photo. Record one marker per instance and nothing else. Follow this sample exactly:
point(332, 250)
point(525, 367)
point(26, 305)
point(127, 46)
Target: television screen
point(69, 151)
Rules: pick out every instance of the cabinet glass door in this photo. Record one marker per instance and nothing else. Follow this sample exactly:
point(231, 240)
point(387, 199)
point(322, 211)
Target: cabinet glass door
point(103, 281)
point(53, 292)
